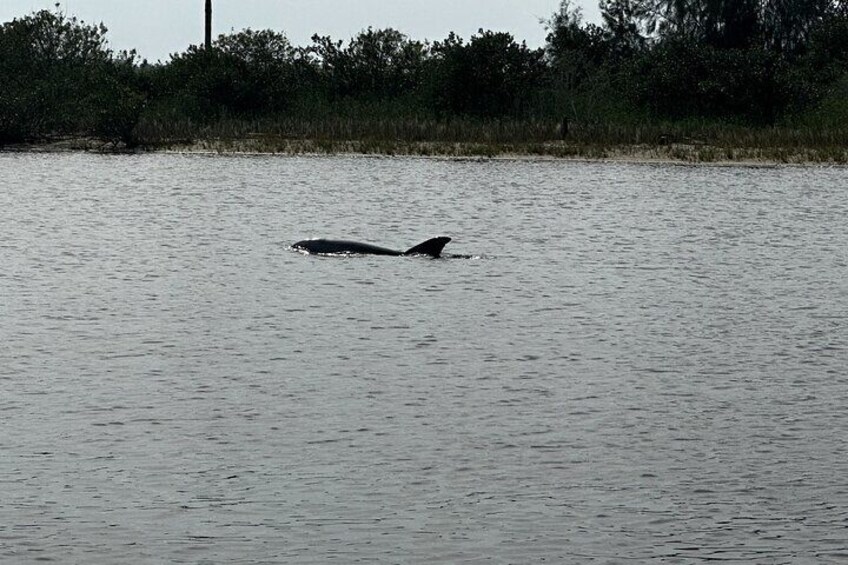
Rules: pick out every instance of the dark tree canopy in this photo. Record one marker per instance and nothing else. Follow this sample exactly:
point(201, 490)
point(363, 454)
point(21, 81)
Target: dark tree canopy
point(58, 75)
point(746, 61)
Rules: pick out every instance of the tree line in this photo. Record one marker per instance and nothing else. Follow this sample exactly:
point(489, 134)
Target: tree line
point(752, 62)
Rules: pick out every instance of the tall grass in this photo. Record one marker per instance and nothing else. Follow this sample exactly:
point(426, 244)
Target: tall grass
point(691, 140)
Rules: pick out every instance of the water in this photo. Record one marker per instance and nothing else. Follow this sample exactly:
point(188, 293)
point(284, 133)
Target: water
point(638, 363)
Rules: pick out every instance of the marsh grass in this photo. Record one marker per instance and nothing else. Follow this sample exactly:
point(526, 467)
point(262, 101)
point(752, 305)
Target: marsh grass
point(689, 141)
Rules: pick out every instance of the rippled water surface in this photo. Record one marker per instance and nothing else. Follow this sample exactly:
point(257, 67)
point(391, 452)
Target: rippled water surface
point(638, 363)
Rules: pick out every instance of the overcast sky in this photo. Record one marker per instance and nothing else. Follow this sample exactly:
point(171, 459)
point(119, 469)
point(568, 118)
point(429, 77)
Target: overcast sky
point(157, 28)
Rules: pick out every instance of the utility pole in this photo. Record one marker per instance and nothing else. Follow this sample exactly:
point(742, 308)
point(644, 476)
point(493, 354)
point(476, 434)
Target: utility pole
point(209, 24)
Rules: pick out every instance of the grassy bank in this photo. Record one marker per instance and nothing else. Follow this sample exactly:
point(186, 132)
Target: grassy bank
point(693, 142)
point(675, 152)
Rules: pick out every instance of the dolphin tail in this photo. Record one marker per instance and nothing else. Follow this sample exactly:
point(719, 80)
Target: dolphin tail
point(432, 247)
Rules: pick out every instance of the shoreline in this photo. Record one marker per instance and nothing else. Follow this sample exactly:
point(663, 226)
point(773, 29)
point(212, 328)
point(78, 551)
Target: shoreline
point(671, 153)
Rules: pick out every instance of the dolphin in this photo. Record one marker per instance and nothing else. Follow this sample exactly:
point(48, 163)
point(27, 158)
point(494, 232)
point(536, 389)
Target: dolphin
point(431, 247)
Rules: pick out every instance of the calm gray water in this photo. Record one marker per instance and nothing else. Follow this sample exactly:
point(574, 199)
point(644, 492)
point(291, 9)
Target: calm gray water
point(640, 363)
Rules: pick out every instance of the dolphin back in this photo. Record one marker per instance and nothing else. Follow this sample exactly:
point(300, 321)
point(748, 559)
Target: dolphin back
point(432, 247)
point(342, 247)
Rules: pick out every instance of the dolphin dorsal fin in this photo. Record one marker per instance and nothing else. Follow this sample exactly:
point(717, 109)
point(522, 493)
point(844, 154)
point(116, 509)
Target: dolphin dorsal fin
point(432, 247)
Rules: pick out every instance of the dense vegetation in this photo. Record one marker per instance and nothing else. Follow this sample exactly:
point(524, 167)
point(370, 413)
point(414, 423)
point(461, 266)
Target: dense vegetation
point(654, 71)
